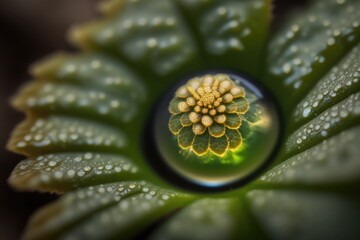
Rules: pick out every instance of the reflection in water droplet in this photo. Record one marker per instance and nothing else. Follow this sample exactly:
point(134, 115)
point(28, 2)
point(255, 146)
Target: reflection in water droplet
point(178, 158)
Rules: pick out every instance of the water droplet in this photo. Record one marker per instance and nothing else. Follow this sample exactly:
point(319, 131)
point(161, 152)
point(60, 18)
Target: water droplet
point(206, 157)
point(306, 111)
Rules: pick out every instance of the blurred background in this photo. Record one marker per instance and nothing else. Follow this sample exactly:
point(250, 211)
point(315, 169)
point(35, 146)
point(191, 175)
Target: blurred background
point(29, 30)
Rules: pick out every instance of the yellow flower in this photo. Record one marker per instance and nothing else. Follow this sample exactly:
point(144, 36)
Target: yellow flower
point(208, 109)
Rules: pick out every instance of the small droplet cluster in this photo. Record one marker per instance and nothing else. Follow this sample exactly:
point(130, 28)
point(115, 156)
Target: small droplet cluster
point(306, 44)
point(233, 31)
point(339, 82)
point(333, 160)
point(93, 70)
point(107, 206)
point(77, 205)
point(52, 97)
point(146, 33)
point(125, 210)
point(211, 103)
point(61, 172)
point(326, 124)
point(224, 26)
point(57, 133)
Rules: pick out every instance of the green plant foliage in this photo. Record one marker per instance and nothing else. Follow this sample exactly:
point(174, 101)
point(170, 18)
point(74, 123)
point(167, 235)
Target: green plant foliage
point(86, 113)
point(308, 44)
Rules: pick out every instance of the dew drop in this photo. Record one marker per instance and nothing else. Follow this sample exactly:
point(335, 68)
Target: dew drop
point(306, 111)
point(214, 159)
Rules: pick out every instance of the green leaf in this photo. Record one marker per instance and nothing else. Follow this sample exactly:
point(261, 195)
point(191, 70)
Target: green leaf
point(254, 113)
point(340, 82)
point(239, 105)
point(229, 30)
point(309, 45)
point(66, 171)
point(126, 218)
point(46, 98)
point(330, 122)
point(306, 215)
point(148, 34)
point(206, 219)
point(37, 136)
point(91, 69)
point(87, 111)
point(104, 211)
point(332, 162)
point(245, 128)
point(173, 106)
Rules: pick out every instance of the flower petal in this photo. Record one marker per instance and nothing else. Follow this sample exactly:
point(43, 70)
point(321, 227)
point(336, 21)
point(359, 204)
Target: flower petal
point(217, 130)
point(186, 137)
point(185, 120)
point(219, 145)
point(201, 143)
point(233, 121)
point(254, 113)
point(234, 137)
point(175, 123)
point(239, 105)
point(45, 97)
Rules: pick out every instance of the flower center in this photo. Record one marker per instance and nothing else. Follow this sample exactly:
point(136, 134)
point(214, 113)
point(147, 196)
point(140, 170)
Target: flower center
point(211, 105)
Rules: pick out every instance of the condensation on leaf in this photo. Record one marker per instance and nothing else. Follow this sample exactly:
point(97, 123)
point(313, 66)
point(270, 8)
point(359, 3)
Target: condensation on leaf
point(125, 218)
point(310, 44)
point(46, 97)
point(87, 104)
point(146, 33)
point(104, 211)
point(66, 171)
point(331, 121)
point(94, 70)
point(229, 30)
point(60, 133)
point(340, 82)
point(334, 161)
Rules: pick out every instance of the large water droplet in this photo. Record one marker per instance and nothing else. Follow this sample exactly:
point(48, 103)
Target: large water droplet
point(194, 147)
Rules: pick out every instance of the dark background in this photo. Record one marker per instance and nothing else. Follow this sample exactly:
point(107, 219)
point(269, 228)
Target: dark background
point(29, 30)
